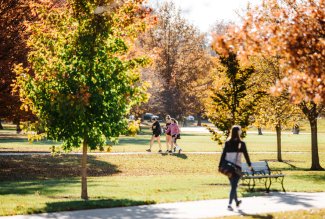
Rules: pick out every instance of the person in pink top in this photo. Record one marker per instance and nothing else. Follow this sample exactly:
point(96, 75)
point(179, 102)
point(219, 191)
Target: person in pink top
point(175, 133)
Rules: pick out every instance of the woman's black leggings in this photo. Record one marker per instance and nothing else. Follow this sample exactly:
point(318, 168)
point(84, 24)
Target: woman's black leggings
point(233, 192)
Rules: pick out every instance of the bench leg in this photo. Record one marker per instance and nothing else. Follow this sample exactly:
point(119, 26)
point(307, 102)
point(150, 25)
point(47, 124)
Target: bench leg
point(268, 183)
point(251, 185)
point(282, 184)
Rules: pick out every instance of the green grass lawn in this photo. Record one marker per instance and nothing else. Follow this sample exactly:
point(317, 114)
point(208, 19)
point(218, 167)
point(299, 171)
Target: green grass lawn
point(190, 142)
point(30, 184)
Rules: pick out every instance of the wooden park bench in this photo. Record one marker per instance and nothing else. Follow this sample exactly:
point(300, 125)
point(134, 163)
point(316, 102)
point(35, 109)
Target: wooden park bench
point(262, 174)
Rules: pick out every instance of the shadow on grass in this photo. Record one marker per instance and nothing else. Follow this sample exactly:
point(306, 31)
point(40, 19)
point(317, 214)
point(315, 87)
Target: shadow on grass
point(66, 206)
point(91, 204)
point(13, 140)
point(259, 191)
point(133, 141)
point(38, 167)
point(268, 216)
point(289, 167)
point(217, 184)
point(25, 140)
point(37, 187)
point(182, 156)
point(289, 164)
point(319, 178)
point(145, 140)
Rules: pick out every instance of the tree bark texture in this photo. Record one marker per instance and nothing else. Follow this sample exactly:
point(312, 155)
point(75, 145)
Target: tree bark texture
point(18, 129)
point(312, 113)
point(278, 141)
point(84, 192)
point(315, 165)
point(259, 129)
point(199, 119)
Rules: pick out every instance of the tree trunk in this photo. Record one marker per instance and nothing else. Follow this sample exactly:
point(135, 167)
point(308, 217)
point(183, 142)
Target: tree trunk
point(84, 192)
point(199, 119)
point(278, 140)
point(1, 127)
point(312, 114)
point(259, 129)
point(295, 130)
point(18, 129)
point(315, 165)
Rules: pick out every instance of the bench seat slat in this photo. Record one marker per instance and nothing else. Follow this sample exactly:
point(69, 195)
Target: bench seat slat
point(263, 176)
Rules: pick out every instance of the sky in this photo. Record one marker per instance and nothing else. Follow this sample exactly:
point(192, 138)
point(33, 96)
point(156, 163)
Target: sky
point(204, 13)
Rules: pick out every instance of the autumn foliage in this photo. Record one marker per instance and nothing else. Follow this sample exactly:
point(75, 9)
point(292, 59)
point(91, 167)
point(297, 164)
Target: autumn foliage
point(85, 78)
point(180, 63)
point(291, 30)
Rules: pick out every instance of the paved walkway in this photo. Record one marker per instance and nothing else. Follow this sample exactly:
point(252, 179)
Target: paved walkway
point(273, 202)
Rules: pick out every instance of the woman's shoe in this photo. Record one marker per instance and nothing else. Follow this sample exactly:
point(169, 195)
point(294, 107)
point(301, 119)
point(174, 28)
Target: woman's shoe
point(160, 151)
point(170, 151)
point(230, 208)
point(238, 203)
point(180, 151)
point(148, 150)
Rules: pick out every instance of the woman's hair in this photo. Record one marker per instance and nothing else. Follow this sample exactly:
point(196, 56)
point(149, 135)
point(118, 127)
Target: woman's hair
point(154, 119)
point(235, 133)
point(174, 120)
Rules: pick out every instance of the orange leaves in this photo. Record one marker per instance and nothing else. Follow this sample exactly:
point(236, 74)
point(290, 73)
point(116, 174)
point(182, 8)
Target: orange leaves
point(84, 95)
point(291, 30)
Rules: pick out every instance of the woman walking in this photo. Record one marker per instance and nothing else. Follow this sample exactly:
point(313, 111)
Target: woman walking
point(156, 132)
point(175, 133)
point(232, 152)
point(168, 135)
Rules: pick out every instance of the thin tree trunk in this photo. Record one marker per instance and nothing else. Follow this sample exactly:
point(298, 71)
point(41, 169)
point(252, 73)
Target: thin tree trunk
point(278, 140)
point(84, 192)
point(259, 129)
point(18, 129)
point(295, 130)
point(1, 127)
point(199, 119)
point(311, 113)
point(315, 165)
point(184, 122)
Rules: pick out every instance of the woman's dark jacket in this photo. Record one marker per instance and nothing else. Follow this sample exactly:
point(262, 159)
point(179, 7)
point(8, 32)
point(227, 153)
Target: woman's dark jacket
point(230, 152)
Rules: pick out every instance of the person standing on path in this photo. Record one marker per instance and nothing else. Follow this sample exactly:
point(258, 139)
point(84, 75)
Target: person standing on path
point(156, 132)
point(168, 135)
point(232, 152)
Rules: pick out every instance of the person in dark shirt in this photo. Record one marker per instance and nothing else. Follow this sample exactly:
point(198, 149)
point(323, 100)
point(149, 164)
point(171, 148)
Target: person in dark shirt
point(156, 132)
point(232, 152)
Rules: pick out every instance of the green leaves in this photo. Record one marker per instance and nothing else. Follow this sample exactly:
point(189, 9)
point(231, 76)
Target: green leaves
point(85, 81)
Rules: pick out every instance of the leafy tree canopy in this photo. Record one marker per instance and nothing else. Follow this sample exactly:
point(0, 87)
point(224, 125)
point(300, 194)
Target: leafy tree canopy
point(85, 78)
point(233, 97)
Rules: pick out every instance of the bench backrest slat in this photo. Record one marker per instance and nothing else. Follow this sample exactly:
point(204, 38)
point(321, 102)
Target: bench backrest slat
point(260, 166)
